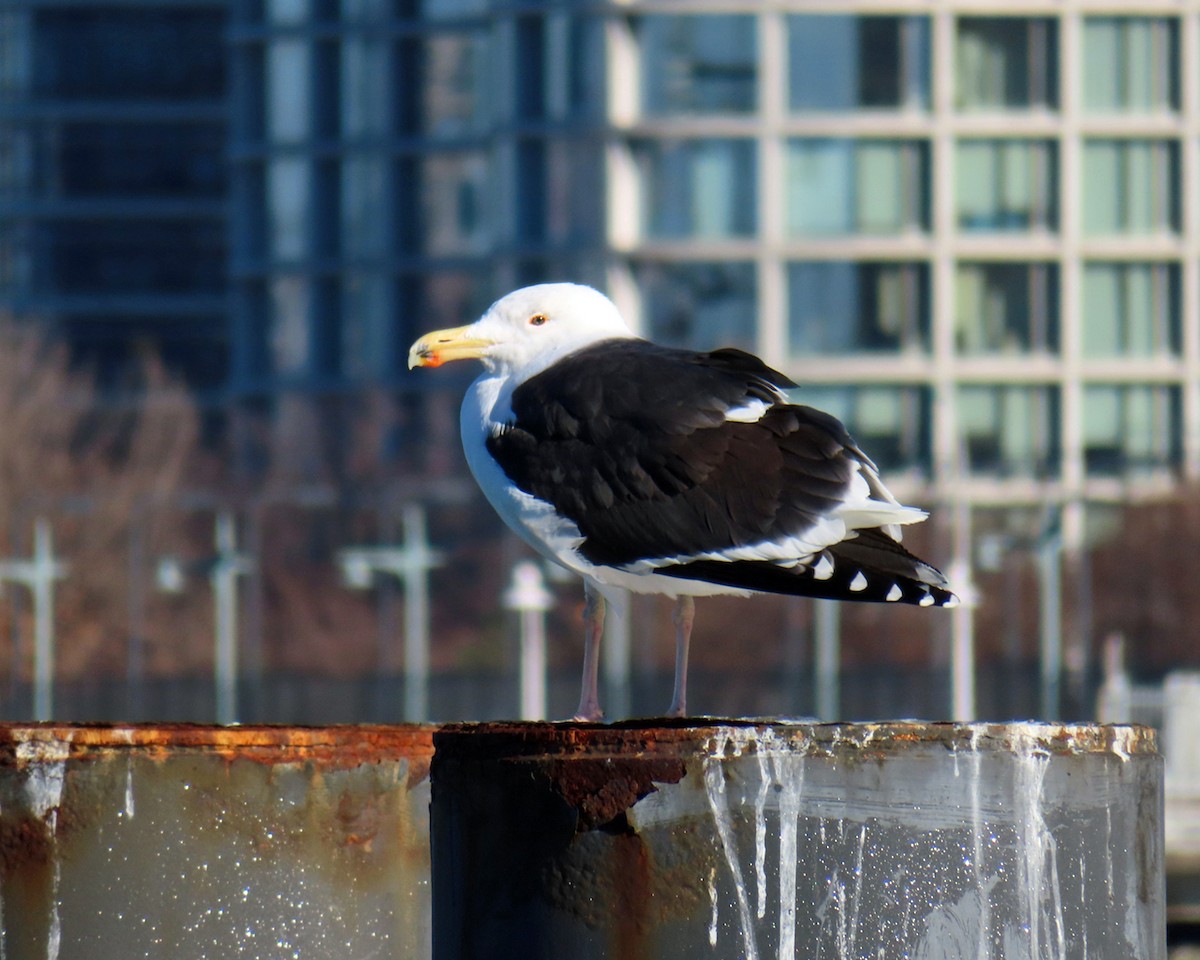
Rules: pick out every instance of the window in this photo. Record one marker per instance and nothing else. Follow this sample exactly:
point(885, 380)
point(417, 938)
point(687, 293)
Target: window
point(115, 52)
point(857, 186)
point(143, 159)
point(453, 197)
point(365, 312)
point(891, 423)
point(1007, 308)
point(449, 9)
point(364, 107)
point(1130, 186)
point(701, 306)
point(16, 160)
point(106, 256)
point(1009, 430)
point(1006, 63)
point(453, 85)
point(14, 258)
point(698, 64)
point(574, 208)
point(839, 307)
point(14, 51)
point(363, 193)
point(839, 62)
point(1130, 64)
point(1005, 185)
point(697, 188)
point(288, 190)
point(1130, 428)
point(1130, 309)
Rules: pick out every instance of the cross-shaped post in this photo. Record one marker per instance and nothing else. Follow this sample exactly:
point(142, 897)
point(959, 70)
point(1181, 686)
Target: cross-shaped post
point(228, 565)
point(528, 596)
point(411, 563)
point(38, 574)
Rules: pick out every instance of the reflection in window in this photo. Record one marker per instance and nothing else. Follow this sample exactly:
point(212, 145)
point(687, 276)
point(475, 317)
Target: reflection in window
point(1009, 430)
point(891, 422)
point(857, 186)
point(445, 9)
point(365, 313)
point(15, 46)
point(1007, 308)
point(16, 152)
point(838, 307)
point(453, 85)
point(701, 306)
point(1130, 309)
point(453, 190)
point(842, 62)
point(1006, 63)
point(288, 189)
point(1130, 64)
point(1006, 185)
point(1130, 428)
point(574, 208)
point(1129, 186)
point(364, 105)
point(14, 258)
point(697, 188)
point(363, 193)
point(104, 52)
point(698, 64)
point(158, 159)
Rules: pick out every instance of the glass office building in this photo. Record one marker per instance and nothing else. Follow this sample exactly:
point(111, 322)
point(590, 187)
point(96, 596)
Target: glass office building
point(112, 179)
point(972, 236)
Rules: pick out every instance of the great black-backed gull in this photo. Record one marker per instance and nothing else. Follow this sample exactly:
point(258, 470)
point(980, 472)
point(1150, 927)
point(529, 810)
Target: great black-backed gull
point(668, 471)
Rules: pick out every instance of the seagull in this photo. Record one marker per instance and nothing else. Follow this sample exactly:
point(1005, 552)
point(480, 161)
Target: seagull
point(668, 471)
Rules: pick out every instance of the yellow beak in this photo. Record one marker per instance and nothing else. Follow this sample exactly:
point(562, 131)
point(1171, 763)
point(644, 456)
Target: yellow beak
point(441, 346)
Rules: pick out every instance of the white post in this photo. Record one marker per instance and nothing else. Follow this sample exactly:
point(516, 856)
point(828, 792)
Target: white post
point(962, 620)
point(616, 652)
point(38, 575)
point(228, 565)
point(416, 562)
point(1050, 614)
point(411, 563)
point(827, 616)
point(528, 596)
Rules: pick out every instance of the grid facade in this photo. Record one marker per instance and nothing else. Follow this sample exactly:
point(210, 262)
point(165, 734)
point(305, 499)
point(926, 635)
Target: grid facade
point(971, 230)
point(112, 179)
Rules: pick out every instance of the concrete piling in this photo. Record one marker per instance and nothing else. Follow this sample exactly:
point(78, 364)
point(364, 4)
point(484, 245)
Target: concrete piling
point(180, 842)
point(637, 841)
point(753, 840)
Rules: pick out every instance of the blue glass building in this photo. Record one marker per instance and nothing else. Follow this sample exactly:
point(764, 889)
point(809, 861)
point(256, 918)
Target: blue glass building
point(113, 191)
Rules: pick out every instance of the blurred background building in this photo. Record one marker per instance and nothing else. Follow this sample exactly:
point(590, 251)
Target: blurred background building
point(970, 232)
point(113, 185)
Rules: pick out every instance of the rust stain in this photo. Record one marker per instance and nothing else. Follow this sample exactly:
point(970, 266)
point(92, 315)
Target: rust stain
point(24, 841)
point(604, 788)
point(332, 747)
point(631, 863)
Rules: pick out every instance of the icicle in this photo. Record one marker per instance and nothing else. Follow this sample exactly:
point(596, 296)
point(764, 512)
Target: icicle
point(714, 784)
point(712, 896)
point(789, 772)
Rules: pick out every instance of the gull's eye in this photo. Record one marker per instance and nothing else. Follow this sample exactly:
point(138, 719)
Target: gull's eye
point(538, 319)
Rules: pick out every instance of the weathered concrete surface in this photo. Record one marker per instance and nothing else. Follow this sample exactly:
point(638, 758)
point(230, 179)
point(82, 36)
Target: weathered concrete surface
point(742, 839)
point(182, 841)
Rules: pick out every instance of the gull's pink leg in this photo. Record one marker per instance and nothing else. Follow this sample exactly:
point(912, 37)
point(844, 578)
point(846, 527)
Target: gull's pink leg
point(593, 623)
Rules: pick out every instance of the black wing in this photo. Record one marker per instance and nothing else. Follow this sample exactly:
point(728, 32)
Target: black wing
point(630, 441)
